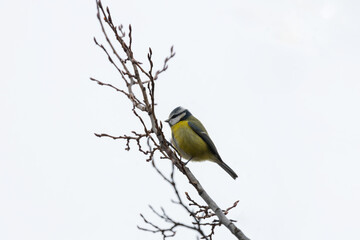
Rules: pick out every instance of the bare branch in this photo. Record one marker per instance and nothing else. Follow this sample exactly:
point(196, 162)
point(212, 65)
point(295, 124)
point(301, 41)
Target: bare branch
point(165, 67)
point(132, 74)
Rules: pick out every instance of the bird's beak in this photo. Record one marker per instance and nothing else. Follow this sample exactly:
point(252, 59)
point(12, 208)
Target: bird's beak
point(167, 120)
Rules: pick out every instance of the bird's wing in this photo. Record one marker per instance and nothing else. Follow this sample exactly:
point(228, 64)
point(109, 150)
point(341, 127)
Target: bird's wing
point(203, 134)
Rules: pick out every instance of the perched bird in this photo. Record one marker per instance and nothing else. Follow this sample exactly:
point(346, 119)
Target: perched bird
point(191, 139)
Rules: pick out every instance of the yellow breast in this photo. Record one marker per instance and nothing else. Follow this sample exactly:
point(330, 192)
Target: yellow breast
point(189, 144)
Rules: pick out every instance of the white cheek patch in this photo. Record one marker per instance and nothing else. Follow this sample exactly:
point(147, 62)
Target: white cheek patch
point(177, 119)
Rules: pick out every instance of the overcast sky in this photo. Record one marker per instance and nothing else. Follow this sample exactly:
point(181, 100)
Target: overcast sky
point(276, 83)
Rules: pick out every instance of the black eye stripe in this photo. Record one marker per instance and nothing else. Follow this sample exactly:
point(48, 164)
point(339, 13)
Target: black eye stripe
point(176, 115)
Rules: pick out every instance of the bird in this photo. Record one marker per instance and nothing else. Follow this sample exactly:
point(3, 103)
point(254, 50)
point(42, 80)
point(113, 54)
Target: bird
point(192, 141)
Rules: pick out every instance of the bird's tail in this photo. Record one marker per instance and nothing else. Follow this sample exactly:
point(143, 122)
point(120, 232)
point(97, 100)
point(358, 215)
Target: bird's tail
point(228, 169)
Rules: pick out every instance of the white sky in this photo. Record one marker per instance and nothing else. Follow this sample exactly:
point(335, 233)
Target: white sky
point(277, 85)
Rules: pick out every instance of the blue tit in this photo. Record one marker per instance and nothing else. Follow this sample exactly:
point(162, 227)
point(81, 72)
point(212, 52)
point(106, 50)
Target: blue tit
point(191, 139)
